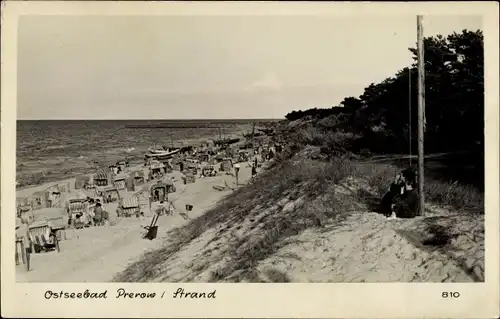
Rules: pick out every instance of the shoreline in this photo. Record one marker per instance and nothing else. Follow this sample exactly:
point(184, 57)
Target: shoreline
point(58, 179)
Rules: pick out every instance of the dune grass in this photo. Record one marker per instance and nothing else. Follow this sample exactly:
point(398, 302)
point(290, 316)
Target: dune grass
point(461, 198)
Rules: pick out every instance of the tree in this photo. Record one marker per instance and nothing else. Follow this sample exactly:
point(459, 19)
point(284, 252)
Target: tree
point(351, 104)
point(454, 97)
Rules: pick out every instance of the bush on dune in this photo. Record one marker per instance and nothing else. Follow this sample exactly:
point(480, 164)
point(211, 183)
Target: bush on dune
point(461, 198)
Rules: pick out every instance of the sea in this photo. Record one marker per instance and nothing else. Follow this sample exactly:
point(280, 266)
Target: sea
point(56, 149)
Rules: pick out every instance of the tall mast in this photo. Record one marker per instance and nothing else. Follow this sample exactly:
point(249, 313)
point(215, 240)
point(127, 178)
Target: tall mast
point(421, 112)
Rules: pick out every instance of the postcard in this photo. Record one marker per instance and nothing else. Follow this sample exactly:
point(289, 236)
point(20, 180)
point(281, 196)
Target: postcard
point(250, 159)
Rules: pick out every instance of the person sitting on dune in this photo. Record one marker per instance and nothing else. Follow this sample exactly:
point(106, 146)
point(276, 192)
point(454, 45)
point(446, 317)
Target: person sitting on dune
point(396, 189)
point(407, 204)
point(402, 198)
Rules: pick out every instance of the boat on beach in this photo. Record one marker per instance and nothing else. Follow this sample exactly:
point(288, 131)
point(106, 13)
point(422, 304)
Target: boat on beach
point(226, 141)
point(163, 152)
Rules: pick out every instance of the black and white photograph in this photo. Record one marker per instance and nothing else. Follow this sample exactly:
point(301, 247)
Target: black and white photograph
point(248, 148)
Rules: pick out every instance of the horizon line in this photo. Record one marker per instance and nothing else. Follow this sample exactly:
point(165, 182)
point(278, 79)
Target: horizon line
point(147, 119)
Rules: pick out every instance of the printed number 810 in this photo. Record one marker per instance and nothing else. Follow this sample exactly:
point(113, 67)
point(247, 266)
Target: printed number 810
point(450, 294)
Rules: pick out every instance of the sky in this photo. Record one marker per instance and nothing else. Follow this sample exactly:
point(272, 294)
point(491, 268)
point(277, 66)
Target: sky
point(182, 67)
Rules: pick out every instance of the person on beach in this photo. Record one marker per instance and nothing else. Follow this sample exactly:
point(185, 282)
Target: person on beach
point(78, 221)
point(161, 209)
point(164, 208)
point(85, 219)
point(105, 218)
point(91, 211)
point(254, 170)
point(171, 207)
point(98, 215)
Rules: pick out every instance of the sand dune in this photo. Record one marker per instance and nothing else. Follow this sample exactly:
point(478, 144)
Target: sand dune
point(364, 247)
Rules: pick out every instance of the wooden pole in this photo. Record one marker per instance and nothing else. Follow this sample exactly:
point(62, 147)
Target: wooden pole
point(421, 109)
point(410, 131)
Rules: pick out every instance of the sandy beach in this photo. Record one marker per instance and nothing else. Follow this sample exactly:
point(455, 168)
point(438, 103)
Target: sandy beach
point(96, 254)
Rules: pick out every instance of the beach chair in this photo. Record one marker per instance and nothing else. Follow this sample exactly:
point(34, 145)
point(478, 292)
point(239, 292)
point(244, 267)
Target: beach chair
point(129, 206)
point(43, 238)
